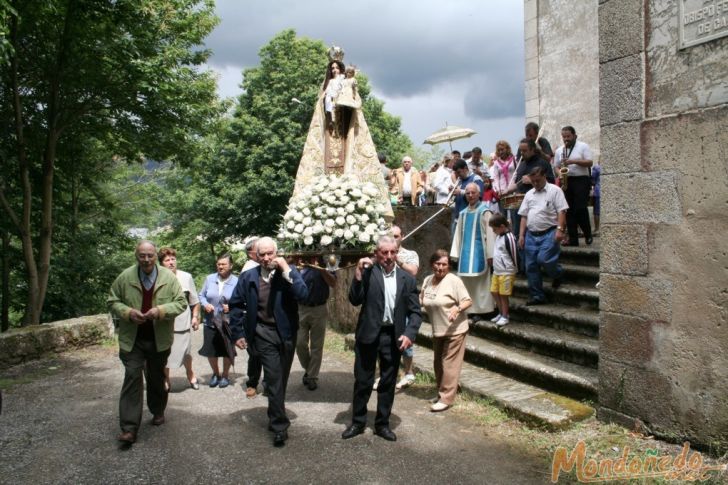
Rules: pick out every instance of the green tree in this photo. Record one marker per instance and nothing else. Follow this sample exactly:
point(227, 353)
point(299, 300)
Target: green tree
point(122, 73)
point(250, 178)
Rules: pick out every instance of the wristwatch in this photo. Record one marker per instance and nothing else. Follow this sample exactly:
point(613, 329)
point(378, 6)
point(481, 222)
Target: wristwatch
point(560, 229)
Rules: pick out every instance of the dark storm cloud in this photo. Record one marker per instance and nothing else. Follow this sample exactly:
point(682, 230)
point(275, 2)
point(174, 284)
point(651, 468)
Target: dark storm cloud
point(406, 48)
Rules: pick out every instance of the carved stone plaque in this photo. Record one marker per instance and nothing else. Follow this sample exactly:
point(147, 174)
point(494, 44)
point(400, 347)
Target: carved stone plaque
point(702, 20)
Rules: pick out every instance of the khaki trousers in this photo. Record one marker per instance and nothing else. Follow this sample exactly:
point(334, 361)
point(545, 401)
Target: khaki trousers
point(449, 354)
point(311, 334)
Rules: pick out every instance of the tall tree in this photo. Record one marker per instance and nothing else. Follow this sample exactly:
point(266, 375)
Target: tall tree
point(124, 73)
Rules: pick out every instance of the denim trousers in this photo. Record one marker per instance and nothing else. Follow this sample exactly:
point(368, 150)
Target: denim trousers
point(541, 251)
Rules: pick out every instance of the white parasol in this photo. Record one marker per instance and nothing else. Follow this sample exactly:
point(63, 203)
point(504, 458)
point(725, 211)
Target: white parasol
point(448, 134)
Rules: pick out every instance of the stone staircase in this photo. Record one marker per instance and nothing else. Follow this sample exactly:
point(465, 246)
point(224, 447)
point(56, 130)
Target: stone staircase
point(542, 365)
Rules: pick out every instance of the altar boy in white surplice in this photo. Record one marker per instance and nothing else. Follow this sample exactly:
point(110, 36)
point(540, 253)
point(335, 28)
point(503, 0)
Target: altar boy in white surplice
point(472, 247)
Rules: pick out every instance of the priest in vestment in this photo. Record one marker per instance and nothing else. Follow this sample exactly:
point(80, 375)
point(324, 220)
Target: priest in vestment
point(472, 248)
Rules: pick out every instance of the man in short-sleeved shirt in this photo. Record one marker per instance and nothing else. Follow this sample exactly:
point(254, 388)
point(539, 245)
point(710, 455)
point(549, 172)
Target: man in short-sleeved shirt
point(577, 157)
point(543, 215)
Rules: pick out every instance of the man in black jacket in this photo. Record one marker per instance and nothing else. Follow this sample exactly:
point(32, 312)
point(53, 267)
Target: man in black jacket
point(388, 324)
point(264, 316)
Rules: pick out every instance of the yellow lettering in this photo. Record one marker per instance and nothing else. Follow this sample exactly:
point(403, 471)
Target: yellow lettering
point(681, 459)
point(696, 461)
point(620, 466)
point(606, 468)
point(650, 464)
point(635, 465)
point(590, 470)
point(561, 462)
point(664, 463)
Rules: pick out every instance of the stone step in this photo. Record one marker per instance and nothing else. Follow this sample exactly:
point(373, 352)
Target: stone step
point(580, 273)
point(583, 321)
point(559, 344)
point(569, 294)
point(530, 404)
point(581, 255)
point(556, 375)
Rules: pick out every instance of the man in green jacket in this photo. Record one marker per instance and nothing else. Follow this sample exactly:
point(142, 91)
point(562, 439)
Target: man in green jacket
point(144, 299)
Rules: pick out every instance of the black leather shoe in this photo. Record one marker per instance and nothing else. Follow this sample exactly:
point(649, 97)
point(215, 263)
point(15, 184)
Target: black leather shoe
point(312, 385)
point(280, 438)
point(353, 430)
point(386, 433)
point(556, 282)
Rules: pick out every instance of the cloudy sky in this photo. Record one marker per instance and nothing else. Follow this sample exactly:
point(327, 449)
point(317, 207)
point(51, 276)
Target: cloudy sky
point(430, 61)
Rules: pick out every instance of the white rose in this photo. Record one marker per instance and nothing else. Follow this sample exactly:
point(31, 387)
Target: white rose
point(330, 211)
point(363, 218)
point(348, 235)
point(329, 223)
point(331, 200)
point(344, 200)
point(361, 204)
point(350, 219)
point(326, 240)
point(318, 228)
point(298, 217)
point(308, 232)
point(369, 190)
point(355, 193)
point(328, 230)
point(339, 233)
point(350, 207)
point(315, 200)
point(308, 240)
point(354, 228)
point(306, 211)
point(306, 221)
point(299, 228)
point(339, 193)
point(340, 221)
point(340, 211)
point(318, 211)
point(364, 237)
point(291, 224)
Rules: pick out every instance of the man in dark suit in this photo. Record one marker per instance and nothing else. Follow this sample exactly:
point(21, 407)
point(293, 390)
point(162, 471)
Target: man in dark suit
point(388, 324)
point(264, 320)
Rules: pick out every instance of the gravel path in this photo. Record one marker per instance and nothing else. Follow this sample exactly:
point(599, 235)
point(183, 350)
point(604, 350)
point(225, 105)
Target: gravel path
point(59, 425)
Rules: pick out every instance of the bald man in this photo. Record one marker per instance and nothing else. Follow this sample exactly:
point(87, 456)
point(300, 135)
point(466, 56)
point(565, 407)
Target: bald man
point(145, 299)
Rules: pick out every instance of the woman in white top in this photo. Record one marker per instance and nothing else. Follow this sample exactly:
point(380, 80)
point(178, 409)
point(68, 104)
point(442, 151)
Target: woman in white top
point(444, 298)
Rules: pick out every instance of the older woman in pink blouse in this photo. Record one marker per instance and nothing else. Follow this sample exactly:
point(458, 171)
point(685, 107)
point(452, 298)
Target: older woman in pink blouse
point(445, 300)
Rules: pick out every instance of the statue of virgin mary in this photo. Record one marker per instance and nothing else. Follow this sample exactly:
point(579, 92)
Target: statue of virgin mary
point(338, 140)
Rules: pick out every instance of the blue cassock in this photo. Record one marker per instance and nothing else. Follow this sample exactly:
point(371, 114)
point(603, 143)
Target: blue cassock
point(469, 242)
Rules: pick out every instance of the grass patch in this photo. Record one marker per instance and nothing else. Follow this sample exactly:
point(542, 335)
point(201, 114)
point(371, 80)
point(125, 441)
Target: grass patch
point(110, 342)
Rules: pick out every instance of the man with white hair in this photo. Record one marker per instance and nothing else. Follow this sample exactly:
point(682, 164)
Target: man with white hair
point(407, 182)
point(264, 320)
point(255, 368)
point(388, 323)
point(472, 248)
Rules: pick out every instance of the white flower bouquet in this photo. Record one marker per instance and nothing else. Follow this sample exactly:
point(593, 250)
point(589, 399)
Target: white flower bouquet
point(333, 213)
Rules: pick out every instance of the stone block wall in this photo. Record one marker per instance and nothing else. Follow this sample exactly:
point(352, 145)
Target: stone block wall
point(435, 235)
point(22, 344)
point(562, 68)
point(664, 268)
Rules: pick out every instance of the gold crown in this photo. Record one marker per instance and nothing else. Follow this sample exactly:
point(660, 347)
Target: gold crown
point(336, 53)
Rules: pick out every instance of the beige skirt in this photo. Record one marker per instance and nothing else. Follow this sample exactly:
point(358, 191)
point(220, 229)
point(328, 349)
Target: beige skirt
point(181, 346)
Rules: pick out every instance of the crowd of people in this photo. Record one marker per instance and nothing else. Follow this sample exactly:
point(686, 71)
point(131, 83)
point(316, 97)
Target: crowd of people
point(275, 311)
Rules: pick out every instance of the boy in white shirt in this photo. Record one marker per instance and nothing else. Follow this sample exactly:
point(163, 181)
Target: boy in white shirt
point(505, 266)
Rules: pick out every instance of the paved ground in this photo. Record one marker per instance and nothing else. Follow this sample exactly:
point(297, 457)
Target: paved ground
point(59, 424)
